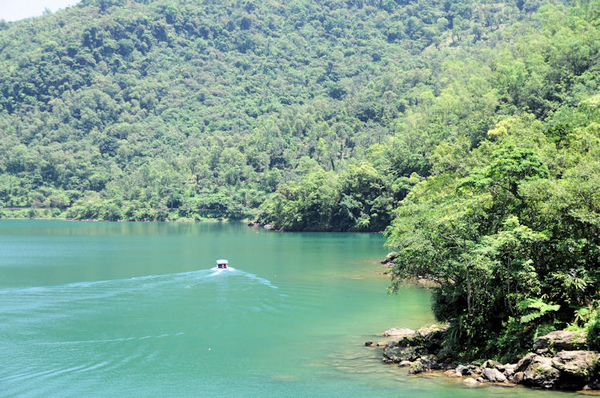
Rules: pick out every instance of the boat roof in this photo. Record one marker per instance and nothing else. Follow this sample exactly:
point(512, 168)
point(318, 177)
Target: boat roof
point(222, 261)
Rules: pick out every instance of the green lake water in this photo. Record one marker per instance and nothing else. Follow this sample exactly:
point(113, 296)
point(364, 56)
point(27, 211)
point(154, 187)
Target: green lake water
point(134, 309)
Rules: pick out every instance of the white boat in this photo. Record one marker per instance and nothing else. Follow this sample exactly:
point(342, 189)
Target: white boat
point(222, 264)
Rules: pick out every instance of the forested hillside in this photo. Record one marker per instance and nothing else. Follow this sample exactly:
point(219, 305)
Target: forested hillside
point(153, 110)
point(509, 227)
point(539, 65)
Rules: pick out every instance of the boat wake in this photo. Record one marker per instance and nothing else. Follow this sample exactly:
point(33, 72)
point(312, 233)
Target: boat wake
point(233, 271)
point(105, 287)
point(219, 270)
point(106, 326)
point(23, 297)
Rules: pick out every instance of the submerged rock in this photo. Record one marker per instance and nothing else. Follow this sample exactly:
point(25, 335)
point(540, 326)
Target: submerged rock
point(469, 381)
point(370, 343)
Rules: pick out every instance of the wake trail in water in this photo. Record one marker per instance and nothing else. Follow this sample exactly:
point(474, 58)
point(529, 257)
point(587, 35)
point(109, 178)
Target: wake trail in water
point(250, 276)
point(36, 297)
point(114, 282)
point(115, 340)
point(191, 275)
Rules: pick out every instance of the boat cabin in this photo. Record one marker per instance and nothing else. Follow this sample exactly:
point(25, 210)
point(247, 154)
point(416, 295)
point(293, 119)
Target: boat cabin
point(222, 264)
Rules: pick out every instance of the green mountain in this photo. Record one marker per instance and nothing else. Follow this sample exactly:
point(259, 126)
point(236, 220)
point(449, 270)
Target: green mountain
point(152, 110)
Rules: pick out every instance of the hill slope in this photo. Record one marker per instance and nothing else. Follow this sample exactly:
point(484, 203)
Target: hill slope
point(122, 109)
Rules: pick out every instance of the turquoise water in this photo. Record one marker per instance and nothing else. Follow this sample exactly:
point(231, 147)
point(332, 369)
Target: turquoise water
point(134, 309)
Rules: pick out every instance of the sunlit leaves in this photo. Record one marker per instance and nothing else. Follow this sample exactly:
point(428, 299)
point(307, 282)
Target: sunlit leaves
point(508, 230)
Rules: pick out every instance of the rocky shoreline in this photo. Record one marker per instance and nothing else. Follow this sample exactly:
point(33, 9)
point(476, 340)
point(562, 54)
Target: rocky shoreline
point(559, 360)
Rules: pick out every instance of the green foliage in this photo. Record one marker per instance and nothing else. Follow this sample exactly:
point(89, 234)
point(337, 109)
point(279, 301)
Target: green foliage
point(358, 199)
point(510, 235)
point(156, 104)
point(514, 339)
point(534, 309)
point(593, 334)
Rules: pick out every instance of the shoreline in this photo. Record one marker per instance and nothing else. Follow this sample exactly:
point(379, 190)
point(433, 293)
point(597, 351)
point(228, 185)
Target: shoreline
point(559, 360)
point(248, 222)
point(208, 220)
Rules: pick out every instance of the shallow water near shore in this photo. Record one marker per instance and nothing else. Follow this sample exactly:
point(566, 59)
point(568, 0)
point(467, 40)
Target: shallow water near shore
point(134, 309)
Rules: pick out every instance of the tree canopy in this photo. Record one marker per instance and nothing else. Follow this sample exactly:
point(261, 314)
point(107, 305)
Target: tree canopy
point(152, 110)
point(512, 237)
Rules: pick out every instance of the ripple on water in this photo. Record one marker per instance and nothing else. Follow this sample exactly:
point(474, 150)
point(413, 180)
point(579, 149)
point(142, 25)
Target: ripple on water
point(66, 325)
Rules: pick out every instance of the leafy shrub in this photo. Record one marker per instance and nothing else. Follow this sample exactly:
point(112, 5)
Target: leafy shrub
point(593, 336)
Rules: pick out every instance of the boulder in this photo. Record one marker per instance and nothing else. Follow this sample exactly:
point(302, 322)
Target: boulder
point(416, 367)
point(424, 364)
point(536, 371)
point(469, 381)
point(399, 332)
point(400, 353)
point(577, 368)
point(490, 363)
point(452, 373)
point(493, 375)
point(567, 370)
point(433, 332)
point(415, 349)
point(560, 340)
point(413, 345)
point(389, 259)
point(517, 378)
point(509, 369)
point(466, 370)
point(432, 337)
point(430, 362)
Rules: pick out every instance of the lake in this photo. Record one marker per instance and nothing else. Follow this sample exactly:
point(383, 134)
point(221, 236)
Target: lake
point(134, 309)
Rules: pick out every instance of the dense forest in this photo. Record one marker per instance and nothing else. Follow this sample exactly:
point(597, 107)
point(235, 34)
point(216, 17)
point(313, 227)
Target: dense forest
point(156, 110)
point(468, 130)
point(539, 66)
